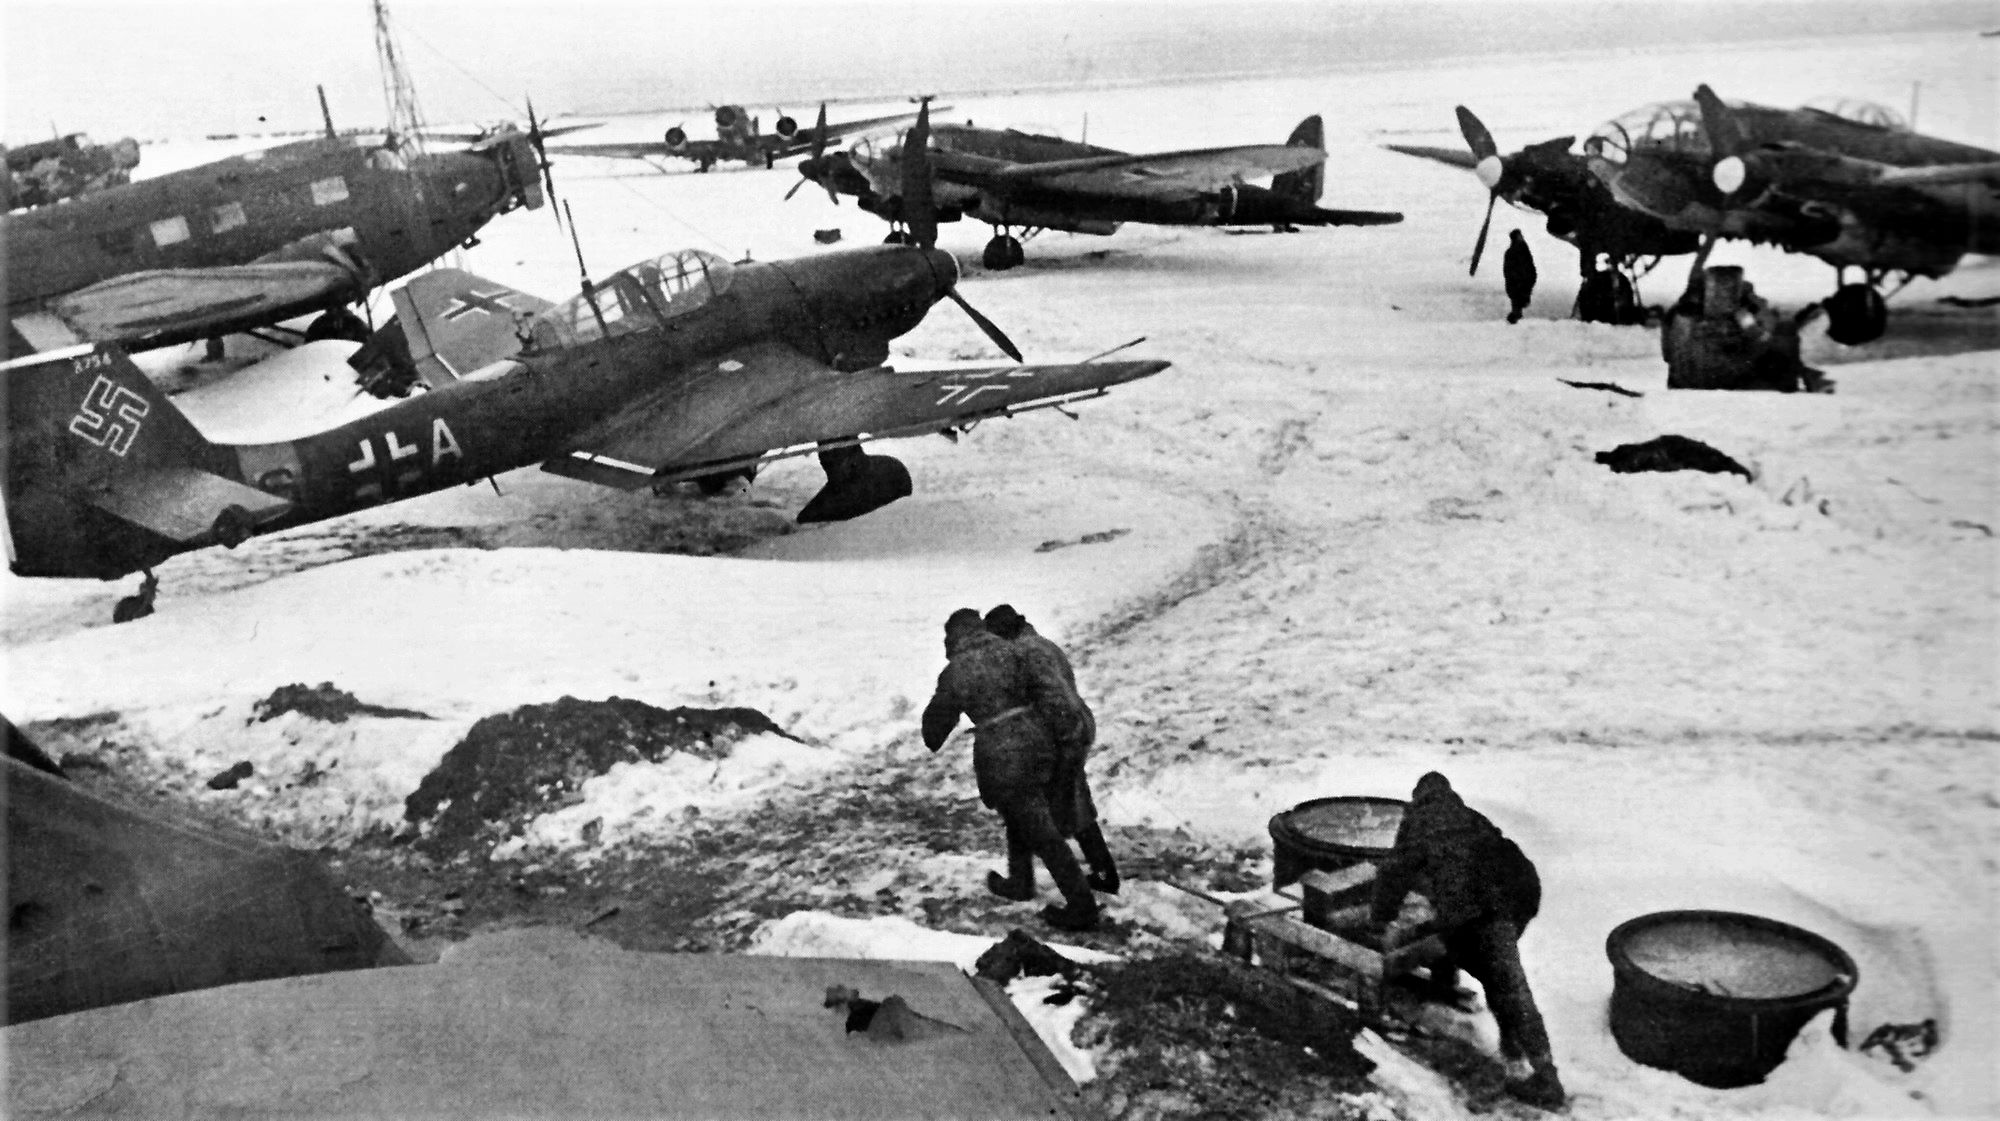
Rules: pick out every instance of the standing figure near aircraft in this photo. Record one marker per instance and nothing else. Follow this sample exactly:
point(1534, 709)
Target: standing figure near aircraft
point(1070, 799)
point(1518, 267)
point(990, 681)
point(1483, 890)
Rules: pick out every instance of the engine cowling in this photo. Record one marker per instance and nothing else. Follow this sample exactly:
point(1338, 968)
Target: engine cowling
point(677, 137)
point(786, 126)
point(727, 117)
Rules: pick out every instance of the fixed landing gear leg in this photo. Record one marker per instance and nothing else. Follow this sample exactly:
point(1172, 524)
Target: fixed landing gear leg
point(139, 605)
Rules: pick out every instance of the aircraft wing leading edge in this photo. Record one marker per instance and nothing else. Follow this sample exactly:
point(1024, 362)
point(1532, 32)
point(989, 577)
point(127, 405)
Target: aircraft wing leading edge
point(768, 401)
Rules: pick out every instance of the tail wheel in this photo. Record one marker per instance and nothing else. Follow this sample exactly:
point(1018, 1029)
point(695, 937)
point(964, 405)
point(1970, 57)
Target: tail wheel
point(712, 485)
point(1856, 314)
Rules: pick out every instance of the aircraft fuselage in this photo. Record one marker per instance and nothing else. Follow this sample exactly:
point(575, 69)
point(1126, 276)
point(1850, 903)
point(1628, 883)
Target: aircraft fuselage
point(270, 205)
point(842, 308)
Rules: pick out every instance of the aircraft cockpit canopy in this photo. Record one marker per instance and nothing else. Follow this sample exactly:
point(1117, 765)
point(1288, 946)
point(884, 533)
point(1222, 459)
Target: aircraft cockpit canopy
point(639, 298)
point(1673, 126)
point(1872, 113)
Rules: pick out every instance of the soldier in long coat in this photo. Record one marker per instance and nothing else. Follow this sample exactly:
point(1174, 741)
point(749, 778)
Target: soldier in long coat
point(1070, 799)
point(1484, 891)
point(1014, 759)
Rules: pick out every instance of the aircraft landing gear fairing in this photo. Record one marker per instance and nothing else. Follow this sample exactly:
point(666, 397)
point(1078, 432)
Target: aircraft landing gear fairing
point(1003, 252)
point(1856, 313)
point(856, 483)
point(139, 605)
point(339, 323)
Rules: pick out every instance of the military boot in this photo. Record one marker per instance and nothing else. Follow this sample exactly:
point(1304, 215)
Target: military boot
point(1542, 1089)
point(1019, 882)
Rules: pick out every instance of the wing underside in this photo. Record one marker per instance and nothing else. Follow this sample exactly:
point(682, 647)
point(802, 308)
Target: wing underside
point(185, 303)
point(770, 402)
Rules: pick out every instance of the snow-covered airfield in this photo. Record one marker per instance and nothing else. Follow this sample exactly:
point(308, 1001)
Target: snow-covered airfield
point(1356, 534)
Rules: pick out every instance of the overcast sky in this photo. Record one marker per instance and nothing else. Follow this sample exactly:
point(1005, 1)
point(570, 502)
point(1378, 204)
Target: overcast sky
point(154, 68)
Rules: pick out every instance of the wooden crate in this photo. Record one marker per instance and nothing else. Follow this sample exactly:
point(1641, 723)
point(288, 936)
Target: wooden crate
point(1334, 944)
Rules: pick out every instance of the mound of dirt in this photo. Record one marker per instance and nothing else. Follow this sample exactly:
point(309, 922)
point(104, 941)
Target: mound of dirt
point(1189, 1034)
point(324, 702)
point(516, 765)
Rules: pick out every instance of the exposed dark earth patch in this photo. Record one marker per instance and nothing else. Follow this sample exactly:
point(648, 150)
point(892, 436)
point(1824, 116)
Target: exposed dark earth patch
point(512, 767)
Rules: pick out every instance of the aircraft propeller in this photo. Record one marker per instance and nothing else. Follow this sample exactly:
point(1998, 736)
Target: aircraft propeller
point(1491, 169)
point(536, 141)
point(814, 167)
point(920, 215)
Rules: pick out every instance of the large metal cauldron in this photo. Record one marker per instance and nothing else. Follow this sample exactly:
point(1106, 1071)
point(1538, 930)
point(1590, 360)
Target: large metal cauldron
point(1332, 833)
point(1717, 996)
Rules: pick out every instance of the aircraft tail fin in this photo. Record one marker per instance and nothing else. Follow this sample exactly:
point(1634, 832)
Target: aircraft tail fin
point(1306, 184)
point(449, 324)
point(105, 476)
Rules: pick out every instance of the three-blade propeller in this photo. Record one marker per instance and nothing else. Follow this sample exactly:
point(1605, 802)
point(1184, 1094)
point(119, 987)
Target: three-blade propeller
point(920, 215)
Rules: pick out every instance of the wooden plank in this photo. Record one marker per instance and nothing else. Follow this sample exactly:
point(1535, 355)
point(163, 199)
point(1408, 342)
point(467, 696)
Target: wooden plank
point(1321, 943)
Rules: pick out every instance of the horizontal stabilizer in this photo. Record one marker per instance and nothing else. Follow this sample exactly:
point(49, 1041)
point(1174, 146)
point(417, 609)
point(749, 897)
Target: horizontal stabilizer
point(456, 323)
point(185, 504)
point(1357, 217)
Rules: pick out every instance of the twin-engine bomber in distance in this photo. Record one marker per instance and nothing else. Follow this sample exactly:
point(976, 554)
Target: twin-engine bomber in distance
point(1016, 180)
point(682, 367)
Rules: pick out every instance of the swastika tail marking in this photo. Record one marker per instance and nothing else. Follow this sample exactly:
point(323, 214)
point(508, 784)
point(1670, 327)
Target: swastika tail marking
point(110, 416)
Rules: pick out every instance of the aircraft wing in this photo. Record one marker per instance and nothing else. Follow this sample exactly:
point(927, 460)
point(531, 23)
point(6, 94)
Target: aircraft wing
point(487, 134)
point(767, 401)
point(1456, 157)
point(644, 150)
point(185, 303)
point(1940, 174)
point(1163, 175)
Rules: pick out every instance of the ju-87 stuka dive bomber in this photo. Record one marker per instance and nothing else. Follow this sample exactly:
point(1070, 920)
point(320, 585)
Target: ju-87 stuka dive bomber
point(685, 367)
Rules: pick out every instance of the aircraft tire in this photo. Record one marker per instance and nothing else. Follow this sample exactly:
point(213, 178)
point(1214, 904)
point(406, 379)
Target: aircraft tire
point(1016, 256)
point(896, 237)
point(130, 608)
point(1856, 314)
point(1001, 253)
point(232, 527)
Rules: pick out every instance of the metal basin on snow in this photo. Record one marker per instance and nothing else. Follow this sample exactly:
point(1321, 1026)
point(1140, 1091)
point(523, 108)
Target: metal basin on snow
point(1717, 996)
point(1329, 834)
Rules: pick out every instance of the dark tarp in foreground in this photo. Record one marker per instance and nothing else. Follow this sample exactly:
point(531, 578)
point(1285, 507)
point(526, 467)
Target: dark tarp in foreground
point(106, 905)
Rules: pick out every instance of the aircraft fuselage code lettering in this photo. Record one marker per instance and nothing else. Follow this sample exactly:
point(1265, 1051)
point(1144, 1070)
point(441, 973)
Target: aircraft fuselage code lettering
point(110, 414)
point(443, 446)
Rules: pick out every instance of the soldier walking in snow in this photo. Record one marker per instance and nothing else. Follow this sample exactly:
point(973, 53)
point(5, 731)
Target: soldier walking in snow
point(1483, 890)
point(1070, 800)
point(1518, 267)
point(1013, 757)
